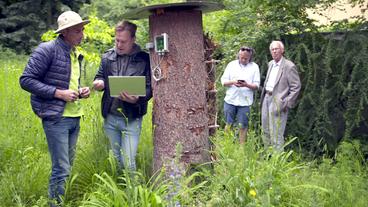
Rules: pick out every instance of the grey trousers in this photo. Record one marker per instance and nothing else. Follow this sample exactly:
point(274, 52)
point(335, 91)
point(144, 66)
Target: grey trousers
point(273, 123)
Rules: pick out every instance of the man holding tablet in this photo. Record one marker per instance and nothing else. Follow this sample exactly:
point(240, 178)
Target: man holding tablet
point(123, 111)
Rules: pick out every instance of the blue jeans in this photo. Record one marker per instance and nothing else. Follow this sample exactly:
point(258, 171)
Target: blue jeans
point(124, 138)
point(61, 138)
point(240, 113)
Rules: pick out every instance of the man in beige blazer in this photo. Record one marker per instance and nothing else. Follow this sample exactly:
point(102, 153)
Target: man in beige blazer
point(279, 94)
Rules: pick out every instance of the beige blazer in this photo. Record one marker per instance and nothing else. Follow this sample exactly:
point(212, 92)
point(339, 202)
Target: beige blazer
point(287, 86)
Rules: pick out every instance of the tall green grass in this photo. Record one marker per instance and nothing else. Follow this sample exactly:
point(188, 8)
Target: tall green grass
point(23, 151)
point(24, 158)
point(245, 175)
point(251, 176)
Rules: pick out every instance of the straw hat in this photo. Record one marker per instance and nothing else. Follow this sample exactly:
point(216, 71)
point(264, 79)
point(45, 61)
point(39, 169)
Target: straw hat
point(69, 19)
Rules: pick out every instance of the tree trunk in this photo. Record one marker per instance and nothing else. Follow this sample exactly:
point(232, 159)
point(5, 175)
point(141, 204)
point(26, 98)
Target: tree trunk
point(179, 109)
point(211, 85)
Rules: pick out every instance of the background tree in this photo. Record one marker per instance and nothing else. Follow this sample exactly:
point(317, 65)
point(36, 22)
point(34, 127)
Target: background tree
point(329, 75)
point(23, 22)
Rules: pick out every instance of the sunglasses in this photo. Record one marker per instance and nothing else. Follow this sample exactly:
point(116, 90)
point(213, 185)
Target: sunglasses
point(248, 49)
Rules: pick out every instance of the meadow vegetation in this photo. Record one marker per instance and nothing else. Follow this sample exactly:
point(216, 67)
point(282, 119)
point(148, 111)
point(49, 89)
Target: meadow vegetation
point(239, 176)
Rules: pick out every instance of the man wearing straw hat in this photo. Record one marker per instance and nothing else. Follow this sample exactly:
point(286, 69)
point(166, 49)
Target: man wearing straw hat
point(52, 76)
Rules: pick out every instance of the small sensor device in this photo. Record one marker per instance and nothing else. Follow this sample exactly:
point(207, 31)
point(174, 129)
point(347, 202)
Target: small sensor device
point(161, 43)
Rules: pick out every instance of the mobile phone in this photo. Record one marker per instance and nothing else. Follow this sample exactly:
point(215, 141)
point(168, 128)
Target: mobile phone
point(241, 81)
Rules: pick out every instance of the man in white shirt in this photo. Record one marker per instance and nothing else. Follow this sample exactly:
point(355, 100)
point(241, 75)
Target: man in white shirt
point(241, 77)
point(279, 94)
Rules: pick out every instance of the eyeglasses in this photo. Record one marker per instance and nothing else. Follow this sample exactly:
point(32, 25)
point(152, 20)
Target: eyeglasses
point(248, 49)
point(275, 49)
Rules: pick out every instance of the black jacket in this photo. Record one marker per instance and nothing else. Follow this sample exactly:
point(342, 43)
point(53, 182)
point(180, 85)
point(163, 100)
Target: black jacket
point(138, 64)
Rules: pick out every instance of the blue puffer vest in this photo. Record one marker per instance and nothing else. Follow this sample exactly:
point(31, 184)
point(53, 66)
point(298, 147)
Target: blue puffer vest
point(48, 69)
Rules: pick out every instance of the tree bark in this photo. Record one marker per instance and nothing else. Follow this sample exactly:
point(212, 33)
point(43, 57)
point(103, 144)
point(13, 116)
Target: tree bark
point(211, 91)
point(179, 109)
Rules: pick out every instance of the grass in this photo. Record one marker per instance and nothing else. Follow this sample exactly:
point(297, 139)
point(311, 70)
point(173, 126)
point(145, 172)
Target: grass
point(240, 176)
point(24, 158)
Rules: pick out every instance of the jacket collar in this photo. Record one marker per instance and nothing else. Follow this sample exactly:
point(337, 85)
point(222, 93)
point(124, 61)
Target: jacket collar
point(278, 63)
point(60, 41)
point(281, 70)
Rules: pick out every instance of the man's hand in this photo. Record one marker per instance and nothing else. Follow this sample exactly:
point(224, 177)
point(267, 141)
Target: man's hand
point(84, 92)
point(98, 85)
point(66, 95)
point(241, 83)
point(124, 96)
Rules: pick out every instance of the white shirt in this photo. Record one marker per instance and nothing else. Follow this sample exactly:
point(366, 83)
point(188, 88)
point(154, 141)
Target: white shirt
point(240, 96)
point(273, 75)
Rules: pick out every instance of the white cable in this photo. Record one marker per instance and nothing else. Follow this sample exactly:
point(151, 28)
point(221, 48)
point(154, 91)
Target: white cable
point(156, 71)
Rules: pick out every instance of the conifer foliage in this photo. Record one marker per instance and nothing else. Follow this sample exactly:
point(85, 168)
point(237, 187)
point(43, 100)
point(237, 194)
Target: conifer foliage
point(333, 102)
point(23, 21)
